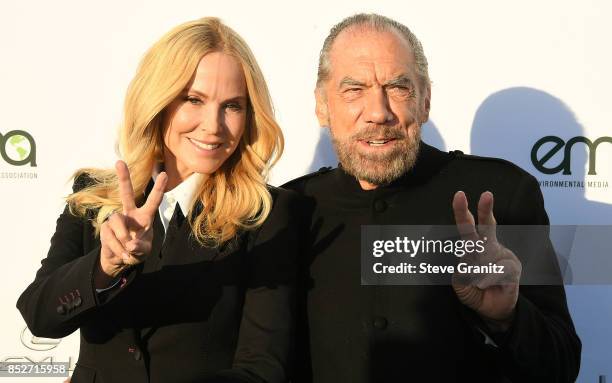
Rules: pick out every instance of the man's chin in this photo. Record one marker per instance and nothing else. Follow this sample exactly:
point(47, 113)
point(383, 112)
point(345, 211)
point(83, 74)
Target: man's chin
point(378, 172)
point(377, 165)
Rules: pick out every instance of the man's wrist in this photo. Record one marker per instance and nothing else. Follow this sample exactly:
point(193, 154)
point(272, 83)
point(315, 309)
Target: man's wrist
point(500, 325)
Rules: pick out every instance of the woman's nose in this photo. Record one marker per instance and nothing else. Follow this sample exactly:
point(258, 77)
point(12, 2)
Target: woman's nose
point(211, 119)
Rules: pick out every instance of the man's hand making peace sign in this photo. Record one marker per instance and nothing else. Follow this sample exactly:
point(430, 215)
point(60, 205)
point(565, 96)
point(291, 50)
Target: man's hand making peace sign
point(492, 296)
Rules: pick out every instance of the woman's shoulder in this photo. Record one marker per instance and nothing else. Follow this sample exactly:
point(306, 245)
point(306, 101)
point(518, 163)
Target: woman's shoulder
point(82, 180)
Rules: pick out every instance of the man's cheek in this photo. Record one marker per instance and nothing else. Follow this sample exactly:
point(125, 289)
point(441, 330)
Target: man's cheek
point(409, 114)
point(346, 114)
point(356, 112)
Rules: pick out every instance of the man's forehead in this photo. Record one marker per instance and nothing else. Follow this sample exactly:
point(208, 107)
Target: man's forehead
point(362, 51)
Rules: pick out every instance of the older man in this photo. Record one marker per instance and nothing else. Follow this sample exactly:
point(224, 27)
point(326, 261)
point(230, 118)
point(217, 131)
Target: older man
point(373, 92)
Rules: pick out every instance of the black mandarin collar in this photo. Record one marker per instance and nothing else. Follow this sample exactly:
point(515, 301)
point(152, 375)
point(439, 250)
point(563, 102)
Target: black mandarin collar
point(430, 161)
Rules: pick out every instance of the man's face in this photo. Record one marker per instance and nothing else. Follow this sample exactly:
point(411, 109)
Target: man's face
point(373, 104)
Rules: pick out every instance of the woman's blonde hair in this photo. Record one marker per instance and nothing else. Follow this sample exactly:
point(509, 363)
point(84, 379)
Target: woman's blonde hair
point(235, 197)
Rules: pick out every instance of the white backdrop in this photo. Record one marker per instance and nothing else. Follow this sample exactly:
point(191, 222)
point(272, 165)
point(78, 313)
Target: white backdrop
point(504, 75)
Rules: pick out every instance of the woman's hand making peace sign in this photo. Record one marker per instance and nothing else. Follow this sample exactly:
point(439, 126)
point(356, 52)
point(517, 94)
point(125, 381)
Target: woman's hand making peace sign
point(127, 236)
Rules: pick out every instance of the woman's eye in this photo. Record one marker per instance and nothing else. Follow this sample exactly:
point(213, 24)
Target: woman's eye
point(233, 107)
point(193, 100)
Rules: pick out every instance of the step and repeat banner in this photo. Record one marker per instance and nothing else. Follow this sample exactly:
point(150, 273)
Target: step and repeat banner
point(525, 81)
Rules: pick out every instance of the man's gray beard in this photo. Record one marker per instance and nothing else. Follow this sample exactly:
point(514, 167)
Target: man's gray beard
point(377, 169)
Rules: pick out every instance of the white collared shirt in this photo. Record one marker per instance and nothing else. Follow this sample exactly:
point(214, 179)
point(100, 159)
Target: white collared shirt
point(183, 194)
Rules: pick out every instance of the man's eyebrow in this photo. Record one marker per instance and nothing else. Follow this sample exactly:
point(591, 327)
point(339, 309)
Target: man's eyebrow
point(347, 81)
point(401, 80)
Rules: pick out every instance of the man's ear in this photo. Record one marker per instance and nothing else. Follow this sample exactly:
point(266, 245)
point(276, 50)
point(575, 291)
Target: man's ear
point(426, 104)
point(321, 107)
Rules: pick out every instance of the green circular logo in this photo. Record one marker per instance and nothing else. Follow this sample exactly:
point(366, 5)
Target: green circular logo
point(18, 147)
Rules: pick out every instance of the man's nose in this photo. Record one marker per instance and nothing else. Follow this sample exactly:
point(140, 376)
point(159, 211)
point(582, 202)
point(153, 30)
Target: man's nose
point(211, 119)
point(377, 110)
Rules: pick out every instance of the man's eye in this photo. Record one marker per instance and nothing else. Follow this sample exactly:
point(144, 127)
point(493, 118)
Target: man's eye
point(353, 93)
point(402, 90)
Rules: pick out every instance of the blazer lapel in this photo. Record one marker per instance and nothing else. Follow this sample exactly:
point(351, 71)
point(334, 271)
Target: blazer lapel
point(177, 245)
point(180, 246)
point(152, 261)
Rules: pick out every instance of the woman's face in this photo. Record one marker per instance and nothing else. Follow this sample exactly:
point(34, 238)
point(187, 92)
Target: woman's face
point(205, 122)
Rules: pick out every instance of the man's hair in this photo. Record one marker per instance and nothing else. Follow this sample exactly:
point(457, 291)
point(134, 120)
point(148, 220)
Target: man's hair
point(377, 23)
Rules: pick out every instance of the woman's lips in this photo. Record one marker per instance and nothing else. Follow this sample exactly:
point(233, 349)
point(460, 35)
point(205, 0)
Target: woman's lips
point(204, 145)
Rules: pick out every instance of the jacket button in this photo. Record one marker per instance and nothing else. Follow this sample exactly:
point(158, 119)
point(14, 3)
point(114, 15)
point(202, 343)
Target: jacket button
point(61, 309)
point(77, 301)
point(137, 355)
point(380, 323)
point(380, 205)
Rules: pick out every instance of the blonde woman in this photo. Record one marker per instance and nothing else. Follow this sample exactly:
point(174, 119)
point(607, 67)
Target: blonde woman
point(179, 264)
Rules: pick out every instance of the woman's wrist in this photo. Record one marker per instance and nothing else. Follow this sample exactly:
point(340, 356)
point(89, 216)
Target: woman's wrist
point(102, 278)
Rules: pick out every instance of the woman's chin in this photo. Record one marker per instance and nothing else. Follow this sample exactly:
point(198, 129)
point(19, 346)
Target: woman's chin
point(206, 169)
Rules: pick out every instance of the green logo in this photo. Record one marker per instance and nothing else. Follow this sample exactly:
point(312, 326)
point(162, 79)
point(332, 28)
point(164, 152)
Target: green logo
point(18, 148)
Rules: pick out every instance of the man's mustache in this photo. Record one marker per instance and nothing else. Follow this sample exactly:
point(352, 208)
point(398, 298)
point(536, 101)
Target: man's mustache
point(379, 132)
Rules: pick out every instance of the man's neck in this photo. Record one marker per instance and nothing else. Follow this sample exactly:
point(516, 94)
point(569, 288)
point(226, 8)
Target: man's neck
point(365, 185)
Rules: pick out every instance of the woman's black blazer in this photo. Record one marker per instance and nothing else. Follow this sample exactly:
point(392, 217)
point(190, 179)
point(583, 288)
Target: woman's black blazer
point(186, 314)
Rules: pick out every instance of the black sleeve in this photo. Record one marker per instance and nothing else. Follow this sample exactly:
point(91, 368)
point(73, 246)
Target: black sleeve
point(542, 344)
point(264, 349)
point(62, 294)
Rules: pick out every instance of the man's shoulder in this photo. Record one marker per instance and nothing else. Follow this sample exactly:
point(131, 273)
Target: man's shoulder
point(450, 165)
point(282, 194)
point(301, 183)
point(483, 165)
